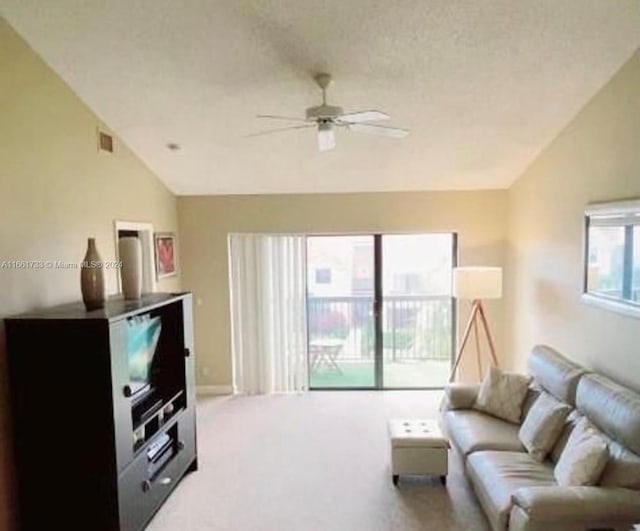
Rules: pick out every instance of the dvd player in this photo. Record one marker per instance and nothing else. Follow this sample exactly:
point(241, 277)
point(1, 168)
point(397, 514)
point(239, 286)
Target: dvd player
point(159, 453)
point(157, 446)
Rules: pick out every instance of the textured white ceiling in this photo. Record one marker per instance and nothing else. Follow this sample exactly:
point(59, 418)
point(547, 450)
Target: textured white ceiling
point(483, 86)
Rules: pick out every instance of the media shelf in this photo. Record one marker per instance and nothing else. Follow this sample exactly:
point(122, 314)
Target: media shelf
point(144, 430)
point(104, 411)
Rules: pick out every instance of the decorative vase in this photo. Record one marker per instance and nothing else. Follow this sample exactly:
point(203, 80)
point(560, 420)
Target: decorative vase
point(130, 253)
point(92, 278)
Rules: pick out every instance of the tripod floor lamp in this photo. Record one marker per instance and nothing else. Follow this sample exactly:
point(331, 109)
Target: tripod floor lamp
point(476, 284)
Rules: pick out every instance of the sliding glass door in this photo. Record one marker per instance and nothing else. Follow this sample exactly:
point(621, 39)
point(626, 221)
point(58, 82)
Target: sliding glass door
point(417, 319)
point(380, 313)
point(340, 304)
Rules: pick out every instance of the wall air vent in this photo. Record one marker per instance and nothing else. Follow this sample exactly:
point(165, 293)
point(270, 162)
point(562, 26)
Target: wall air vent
point(105, 141)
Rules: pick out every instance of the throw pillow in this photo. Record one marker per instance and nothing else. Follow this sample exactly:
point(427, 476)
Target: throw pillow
point(542, 425)
point(502, 394)
point(583, 459)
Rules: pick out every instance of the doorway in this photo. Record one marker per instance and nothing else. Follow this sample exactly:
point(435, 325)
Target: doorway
point(380, 312)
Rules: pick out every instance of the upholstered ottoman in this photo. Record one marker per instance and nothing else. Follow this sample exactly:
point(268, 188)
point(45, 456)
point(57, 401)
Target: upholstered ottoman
point(418, 447)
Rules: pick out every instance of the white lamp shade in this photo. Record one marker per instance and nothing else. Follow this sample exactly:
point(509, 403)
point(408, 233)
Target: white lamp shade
point(477, 283)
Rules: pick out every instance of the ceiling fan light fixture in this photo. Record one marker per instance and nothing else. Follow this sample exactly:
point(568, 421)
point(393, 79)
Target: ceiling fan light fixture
point(326, 136)
point(324, 112)
point(327, 117)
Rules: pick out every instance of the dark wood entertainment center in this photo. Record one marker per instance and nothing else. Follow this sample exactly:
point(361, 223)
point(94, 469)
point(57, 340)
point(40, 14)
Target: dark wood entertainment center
point(93, 451)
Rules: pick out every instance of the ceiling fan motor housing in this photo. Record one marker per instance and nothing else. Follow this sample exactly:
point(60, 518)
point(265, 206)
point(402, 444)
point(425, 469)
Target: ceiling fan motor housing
point(323, 112)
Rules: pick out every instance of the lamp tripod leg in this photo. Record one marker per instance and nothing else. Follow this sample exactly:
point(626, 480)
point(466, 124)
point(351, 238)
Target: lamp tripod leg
point(465, 338)
point(492, 349)
point(478, 354)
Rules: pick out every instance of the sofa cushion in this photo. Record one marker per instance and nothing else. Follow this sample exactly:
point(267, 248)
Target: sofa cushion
point(461, 395)
point(532, 395)
point(623, 468)
point(502, 394)
point(563, 508)
point(583, 458)
point(555, 373)
point(612, 408)
point(496, 476)
point(543, 425)
point(570, 422)
point(472, 431)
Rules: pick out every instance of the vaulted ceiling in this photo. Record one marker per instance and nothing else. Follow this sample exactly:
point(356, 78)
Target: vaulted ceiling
point(483, 86)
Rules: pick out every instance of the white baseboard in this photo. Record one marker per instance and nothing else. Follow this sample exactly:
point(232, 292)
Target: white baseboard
point(213, 390)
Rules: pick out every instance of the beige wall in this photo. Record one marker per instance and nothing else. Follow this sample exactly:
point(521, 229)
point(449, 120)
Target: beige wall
point(596, 158)
point(205, 222)
point(55, 191)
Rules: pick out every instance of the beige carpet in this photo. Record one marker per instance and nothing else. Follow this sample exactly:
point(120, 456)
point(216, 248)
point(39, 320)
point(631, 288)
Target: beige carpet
point(318, 461)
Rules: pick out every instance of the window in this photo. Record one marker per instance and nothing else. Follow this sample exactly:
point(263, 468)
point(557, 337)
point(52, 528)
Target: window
point(612, 256)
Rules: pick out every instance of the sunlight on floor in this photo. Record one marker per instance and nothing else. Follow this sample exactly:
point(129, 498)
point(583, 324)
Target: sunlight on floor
point(407, 373)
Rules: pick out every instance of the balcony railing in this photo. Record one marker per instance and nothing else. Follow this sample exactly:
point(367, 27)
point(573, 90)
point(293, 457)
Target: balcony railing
point(414, 327)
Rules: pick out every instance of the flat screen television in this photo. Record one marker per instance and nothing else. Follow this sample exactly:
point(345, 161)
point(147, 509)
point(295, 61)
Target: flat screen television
point(143, 334)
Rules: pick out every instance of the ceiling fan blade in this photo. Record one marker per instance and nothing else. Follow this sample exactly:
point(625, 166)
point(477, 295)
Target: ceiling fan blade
point(326, 137)
point(381, 130)
point(363, 116)
point(276, 117)
point(280, 130)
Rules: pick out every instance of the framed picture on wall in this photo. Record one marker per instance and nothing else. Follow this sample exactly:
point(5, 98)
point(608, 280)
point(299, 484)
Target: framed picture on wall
point(165, 250)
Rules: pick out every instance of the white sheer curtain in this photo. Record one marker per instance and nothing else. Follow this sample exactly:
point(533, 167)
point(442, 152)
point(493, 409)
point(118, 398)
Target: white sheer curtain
point(268, 309)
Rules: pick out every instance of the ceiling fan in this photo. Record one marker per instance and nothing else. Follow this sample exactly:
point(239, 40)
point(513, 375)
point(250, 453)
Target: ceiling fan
point(326, 118)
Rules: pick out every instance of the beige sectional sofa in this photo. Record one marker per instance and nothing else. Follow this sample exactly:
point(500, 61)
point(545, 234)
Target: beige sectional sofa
point(519, 493)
